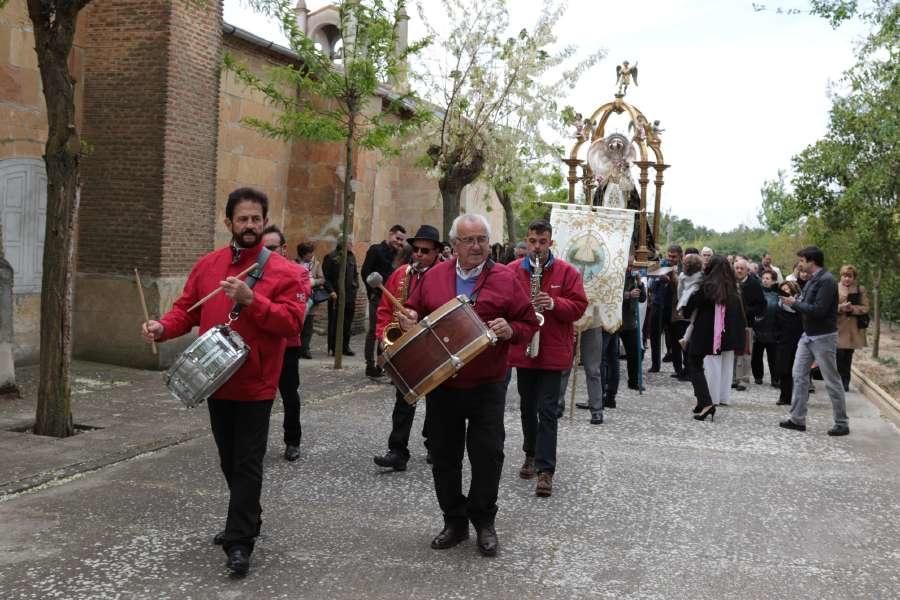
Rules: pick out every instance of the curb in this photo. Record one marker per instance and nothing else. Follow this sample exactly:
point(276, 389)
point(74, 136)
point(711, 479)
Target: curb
point(60, 475)
point(890, 406)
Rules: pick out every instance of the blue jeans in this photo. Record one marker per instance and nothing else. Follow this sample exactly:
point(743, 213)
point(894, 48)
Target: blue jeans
point(538, 397)
point(822, 350)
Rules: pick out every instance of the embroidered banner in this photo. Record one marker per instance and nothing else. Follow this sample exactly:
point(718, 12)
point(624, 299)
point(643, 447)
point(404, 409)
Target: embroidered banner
point(596, 241)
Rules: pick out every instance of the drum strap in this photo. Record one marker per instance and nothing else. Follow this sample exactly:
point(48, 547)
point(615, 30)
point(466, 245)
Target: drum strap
point(254, 276)
point(487, 271)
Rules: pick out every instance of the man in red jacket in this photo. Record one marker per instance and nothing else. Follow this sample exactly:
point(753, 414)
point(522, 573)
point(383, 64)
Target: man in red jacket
point(558, 293)
point(271, 311)
point(426, 247)
point(477, 393)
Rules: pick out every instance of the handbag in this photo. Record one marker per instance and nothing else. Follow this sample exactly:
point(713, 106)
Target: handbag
point(320, 294)
point(862, 321)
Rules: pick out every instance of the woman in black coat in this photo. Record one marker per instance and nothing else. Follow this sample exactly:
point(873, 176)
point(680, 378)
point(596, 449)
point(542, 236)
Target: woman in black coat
point(788, 329)
point(718, 331)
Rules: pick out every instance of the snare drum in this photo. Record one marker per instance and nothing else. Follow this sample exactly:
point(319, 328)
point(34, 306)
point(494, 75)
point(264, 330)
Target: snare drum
point(436, 348)
point(206, 365)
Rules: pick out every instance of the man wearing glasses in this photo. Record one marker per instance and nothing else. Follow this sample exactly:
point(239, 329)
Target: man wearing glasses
point(289, 380)
point(466, 411)
point(426, 247)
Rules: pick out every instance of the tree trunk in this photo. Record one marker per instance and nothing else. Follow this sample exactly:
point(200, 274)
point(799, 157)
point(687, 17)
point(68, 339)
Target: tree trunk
point(453, 179)
point(508, 215)
point(54, 31)
point(450, 194)
point(346, 224)
point(876, 312)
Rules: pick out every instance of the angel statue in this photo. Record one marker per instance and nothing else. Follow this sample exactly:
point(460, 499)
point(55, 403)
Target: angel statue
point(624, 74)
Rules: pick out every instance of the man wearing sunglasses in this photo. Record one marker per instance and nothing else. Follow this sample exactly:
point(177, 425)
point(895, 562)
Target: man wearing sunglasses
point(426, 248)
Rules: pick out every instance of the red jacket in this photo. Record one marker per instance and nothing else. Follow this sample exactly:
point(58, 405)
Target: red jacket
point(385, 313)
point(276, 313)
point(563, 282)
point(498, 295)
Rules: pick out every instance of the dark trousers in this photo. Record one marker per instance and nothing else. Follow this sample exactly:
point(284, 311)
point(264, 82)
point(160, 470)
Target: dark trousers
point(401, 426)
point(629, 339)
point(658, 324)
point(784, 368)
point(307, 332)
point(241, 431)
point(756, 360)
point(538, 406)
point(609, 367)
point(698, 379)
point(844, 362)
point(676, 331)
point(349, 311)
point(371, 345)
point(467, 419)
point(289, 385)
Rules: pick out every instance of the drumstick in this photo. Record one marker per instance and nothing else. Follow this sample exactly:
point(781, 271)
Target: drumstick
point(375, 280)
point(137, 278)
point(219, 289)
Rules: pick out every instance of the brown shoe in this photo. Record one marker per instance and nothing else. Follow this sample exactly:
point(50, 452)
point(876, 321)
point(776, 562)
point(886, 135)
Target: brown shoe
point(544, 487)
point(527, 470)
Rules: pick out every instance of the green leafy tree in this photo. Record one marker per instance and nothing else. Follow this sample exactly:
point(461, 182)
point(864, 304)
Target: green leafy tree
point(321, 100)
point(779, 210)
point(493, 90)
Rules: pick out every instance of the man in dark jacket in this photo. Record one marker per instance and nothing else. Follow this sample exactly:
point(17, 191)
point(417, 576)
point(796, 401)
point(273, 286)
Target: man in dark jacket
point(379, 259)
point(754, 304)
point(331, 267)
point(818, 307)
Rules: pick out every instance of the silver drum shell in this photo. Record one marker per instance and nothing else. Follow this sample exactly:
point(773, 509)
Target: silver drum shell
point(206, 365)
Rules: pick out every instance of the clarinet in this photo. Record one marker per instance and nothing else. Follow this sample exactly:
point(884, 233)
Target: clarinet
point(534, 346)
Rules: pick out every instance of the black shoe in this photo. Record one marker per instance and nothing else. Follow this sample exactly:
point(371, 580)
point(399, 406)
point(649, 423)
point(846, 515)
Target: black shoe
point(846, 387)
point(238, 561)
point(391, 460)
point(291, 453)
point(684, 377)
point(667, 358)
point(758, 381)
point(219, 538)
point(739, 387)
point(783, 402)
point(450, 536)
point(697, 409)
point(349, 352)
point(839, 430)
point(632, 386)
point(374, 371)
point(653, 370)
point(305, 355)
point(788, 424)
point(487, 541)
point(582, 405)
point(707, 411)
point(609, 403)
point(597, 419)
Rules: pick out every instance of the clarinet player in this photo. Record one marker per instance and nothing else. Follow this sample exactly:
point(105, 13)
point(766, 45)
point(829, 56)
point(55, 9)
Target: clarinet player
point(557, 293)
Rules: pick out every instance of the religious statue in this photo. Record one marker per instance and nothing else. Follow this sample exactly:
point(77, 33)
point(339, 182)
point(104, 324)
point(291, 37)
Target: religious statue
point(610, 161)
point(624, 75)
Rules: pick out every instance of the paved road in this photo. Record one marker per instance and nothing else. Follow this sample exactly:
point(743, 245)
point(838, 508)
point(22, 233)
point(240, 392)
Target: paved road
point(649, 505)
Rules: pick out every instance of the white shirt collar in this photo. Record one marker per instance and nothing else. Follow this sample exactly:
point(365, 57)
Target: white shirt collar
point(471, 273)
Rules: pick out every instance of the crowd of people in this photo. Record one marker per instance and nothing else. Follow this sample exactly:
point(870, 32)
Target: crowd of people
point(717, 316)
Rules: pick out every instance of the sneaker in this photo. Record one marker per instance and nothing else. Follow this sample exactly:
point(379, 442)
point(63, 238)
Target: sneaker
point(526, 471)
point(839, 430)
point(544, 487)
point(788, 424)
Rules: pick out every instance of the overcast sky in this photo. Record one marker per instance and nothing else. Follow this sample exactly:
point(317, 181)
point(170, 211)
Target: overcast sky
point(738, 92)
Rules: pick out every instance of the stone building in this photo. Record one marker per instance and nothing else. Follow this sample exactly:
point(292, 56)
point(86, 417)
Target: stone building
point(163, 122)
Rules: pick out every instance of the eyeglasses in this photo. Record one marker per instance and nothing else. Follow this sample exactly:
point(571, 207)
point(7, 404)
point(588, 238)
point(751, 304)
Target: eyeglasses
point(421, 250)
point(273, 247)
point(473, 240)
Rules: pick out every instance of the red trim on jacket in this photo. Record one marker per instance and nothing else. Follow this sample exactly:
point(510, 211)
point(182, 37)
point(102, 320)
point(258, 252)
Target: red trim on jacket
point(498, 296)
point(276, 313)
point(557, 346)
point(385, 312)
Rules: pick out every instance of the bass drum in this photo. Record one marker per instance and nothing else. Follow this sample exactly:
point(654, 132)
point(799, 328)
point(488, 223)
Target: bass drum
point(436, 348)
point(206, 365)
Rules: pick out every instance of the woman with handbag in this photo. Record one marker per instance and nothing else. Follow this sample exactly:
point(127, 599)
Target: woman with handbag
point(852, 321)
point(719, 330)
point(788, 329)
point(320, 293)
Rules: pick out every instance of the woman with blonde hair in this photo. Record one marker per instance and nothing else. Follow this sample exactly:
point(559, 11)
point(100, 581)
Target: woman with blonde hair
point(853, 313)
